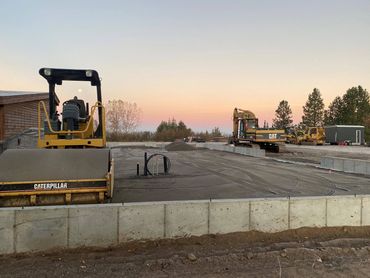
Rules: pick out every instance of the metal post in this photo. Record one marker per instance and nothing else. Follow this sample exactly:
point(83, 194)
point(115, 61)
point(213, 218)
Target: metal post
point(52, 104)
point(165, 165)
point(137, 169)
point(145, 164)
point(99, 130)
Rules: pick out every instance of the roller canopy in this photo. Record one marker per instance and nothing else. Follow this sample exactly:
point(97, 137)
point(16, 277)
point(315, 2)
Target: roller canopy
point(56, 76)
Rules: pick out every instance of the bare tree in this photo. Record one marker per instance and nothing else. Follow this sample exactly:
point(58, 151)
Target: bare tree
point(122, 116)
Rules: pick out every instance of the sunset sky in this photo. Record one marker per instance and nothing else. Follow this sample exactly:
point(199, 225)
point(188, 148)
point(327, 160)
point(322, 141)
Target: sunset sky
point(191, 60)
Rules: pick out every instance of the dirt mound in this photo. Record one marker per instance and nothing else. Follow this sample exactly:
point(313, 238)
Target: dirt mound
point(179, 146)
point(305, 252)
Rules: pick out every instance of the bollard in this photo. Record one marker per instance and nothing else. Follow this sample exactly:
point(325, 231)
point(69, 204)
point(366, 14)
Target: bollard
point(137, 169)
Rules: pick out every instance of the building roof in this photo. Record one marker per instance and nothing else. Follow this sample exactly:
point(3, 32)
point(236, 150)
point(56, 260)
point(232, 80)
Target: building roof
point(9, 97)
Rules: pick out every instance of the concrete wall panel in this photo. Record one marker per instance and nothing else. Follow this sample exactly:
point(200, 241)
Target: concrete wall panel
point(186, 219)
point(269, 215)
point(93, 226)
point(365, 211)
point(307, 212)
point(141, 222)
point(228, 217)
point(327, 163)
point(7, 231)
point(40, 229)
point(338, 164)
point(240, 150)
point(360, 167)
point(343, 211)
point(349, 165)
point(230, 148)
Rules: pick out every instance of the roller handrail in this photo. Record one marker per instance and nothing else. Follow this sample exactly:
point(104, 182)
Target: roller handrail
point(42, 105)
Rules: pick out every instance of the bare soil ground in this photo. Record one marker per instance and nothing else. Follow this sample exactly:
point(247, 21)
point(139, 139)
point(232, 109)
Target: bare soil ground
point(329, 252)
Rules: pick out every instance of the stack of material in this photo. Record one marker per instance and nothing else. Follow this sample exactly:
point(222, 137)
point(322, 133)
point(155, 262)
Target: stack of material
point(179, 146)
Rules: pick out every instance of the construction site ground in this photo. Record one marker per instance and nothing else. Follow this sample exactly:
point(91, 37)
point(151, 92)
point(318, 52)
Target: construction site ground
point(204, 174)
point(306, 252)
point(313, 154)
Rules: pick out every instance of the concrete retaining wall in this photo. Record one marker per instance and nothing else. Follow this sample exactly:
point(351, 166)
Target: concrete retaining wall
point(255, 152)
point(138, 144)
point(43, 228)
point(346, 165)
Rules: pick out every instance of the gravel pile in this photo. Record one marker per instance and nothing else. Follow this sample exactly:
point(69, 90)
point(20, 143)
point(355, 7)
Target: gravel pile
point(179, 146)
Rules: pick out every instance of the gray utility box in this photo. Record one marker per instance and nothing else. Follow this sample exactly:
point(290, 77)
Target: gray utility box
point(338, 134)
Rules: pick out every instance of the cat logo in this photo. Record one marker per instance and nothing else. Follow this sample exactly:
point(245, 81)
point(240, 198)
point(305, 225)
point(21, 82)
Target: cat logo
point(272, 136)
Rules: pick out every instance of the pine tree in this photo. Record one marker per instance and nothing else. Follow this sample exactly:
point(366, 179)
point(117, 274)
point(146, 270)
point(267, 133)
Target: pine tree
point(313, 111)
point(334, 113)
point(283, 116)
point(356, 106)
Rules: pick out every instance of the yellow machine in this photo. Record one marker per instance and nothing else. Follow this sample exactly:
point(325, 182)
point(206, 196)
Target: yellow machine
point(294, 135)
point(246, 131)
point(312, 135)
point(73, 164)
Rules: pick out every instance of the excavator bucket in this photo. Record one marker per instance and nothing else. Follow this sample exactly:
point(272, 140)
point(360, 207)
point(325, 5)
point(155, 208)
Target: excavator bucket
point(55, 176)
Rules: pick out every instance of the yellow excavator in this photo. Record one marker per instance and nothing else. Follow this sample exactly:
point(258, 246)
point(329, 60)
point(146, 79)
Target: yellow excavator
point(247, 132)
point(72, 164)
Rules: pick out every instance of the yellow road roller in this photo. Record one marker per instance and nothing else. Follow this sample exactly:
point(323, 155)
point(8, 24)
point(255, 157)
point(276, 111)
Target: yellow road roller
point(72, 164)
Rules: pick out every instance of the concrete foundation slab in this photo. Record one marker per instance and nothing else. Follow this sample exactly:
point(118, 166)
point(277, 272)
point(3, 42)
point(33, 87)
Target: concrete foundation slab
point(40, 229)
point(7, 224)
point(186, 219)
point(343, 211)
point(141, 222)
point(307, 212)
point(228, 217)
point(93, 226)
point(269, 215)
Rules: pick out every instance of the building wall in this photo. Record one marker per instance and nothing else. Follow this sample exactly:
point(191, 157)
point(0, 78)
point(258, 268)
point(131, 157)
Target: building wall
point(19, 116)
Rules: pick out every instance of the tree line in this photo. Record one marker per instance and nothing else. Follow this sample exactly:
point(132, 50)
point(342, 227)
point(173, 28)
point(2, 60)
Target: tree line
point(353, 108)
point(124, 117)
